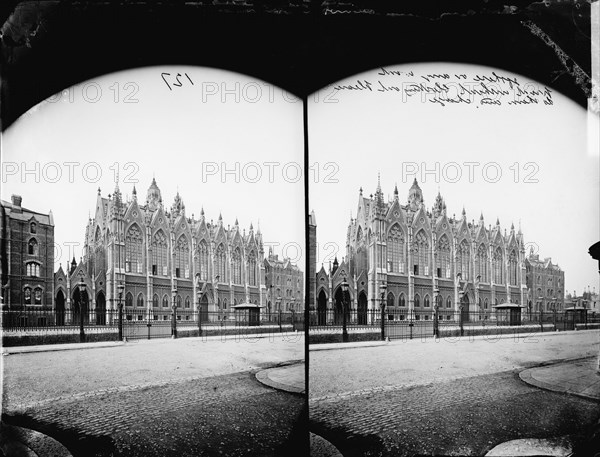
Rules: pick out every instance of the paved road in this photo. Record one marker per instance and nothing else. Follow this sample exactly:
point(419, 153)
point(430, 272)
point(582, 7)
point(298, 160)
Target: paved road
point(452, 397)
point(159, 398)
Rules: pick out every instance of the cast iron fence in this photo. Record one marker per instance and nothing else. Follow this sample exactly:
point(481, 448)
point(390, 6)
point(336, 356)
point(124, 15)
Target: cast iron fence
point(133, 323)
point(400, 323)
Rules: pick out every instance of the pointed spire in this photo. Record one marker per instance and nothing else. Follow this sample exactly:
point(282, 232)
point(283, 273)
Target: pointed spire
point(251, 227)
point(202, 211)
point(98, 190)
point(378, 182)
point(236, 222)
point(360, 190)
point(497, 221)
point(464, 213)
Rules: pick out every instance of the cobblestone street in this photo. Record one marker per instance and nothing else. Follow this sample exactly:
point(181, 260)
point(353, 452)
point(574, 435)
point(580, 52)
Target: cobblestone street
point(463, 417)
point(453, 397)
point(160, 412)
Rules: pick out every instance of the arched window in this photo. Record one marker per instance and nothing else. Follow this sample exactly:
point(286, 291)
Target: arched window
point(99, 251)
point(421, 250)
point(182, 258)
point(38, 296)
point(155, 301)
point(165, 301)
point(32, 247)
point(187, 302)
point(448, 302)
point(513, 267)
point(417, 301)
point(497, 266)
point(252, 268)
point(426, 303)
point(134, 250)
point(178, 301)
point(201, 260)
point(224, 303)
point(402, 300)
point(482, 263)
point(220, 262)
point(443, 257)
point(33, 269)
point(462, 259)
point(160, 247)
point(27, 295)
point(391, 299)
point(485, 304)
point(395, 249)
point(128, 299)
point(237, 266)
point(140, 301)
point(361, 260)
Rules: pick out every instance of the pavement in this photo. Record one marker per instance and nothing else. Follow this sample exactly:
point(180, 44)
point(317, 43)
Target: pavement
point(461, 396)
point(124, 396)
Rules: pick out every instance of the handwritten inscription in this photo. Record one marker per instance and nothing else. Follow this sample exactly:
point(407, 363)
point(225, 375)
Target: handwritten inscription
point(443, 89)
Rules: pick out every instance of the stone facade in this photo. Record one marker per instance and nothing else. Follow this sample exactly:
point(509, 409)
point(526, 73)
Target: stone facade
point(27, 257)
point(424, 257)
point(163, 258)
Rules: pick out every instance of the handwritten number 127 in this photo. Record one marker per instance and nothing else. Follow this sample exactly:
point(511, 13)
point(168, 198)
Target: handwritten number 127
point(177, 82)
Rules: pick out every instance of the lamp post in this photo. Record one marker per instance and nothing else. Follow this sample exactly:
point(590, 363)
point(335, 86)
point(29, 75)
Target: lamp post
point(344, 292)
point(120, 289)
point(198, 306)
point(174, 313)
point(270, 300)
point(81, 291)
point(554, 311)
point(541, 300)
point(436, 307)
point(382, 289)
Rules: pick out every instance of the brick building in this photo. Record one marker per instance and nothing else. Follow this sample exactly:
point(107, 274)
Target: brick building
point(545, 284)
point(285, 284)
point(27, 258)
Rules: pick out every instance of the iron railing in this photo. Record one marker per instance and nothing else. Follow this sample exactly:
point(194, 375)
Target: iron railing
point(137, 323)
point(429, 322)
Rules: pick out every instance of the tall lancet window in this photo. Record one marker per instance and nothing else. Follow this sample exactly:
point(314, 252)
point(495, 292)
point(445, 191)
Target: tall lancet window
point(134, 249)
point(513, 267)
point(182, 258)
point(237, 266)
point(482, 263)
point(463, 259)
point(443, 257)
point(160, 248)
point(395, 248)
point(201, 259)
point(421, 249)
point(220, 260)
point(497, 266)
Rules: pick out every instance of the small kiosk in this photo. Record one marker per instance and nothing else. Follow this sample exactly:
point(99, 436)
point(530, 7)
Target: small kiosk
point(575, 315)
point(508, 314)
point(247, 314)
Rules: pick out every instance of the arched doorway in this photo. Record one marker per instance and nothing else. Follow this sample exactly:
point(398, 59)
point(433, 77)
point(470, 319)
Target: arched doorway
point(80, 306)
point(338, 307)
point(362, 308)
point(203, 308)
point(465, 308)
point(100, 309)
point(60, 308)
point(322, 308)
